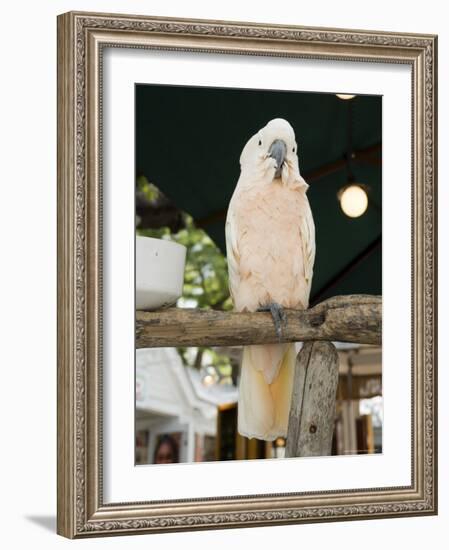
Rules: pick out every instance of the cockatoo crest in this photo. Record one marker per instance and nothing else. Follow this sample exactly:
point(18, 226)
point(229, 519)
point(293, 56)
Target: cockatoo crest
point(272, 154)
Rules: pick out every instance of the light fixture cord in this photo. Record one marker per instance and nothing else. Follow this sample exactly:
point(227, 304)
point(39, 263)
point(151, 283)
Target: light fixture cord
point(349, 152)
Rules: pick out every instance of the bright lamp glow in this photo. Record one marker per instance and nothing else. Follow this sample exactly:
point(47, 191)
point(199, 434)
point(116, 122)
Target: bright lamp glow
point(354, 201)
point(345, 96)
point(208, 380)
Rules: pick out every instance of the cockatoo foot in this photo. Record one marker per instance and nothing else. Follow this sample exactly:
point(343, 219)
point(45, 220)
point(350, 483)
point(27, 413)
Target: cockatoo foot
point(278, 315)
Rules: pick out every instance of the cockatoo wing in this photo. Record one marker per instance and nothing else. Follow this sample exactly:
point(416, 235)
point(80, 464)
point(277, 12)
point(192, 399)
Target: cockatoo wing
point(232, 252)
point(307, 237)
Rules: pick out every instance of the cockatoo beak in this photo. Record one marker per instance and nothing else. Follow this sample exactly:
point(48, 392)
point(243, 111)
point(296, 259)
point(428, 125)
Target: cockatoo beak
point(277, 151)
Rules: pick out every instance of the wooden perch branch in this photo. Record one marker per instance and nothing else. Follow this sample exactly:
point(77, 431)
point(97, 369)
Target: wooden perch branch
point(356, 318)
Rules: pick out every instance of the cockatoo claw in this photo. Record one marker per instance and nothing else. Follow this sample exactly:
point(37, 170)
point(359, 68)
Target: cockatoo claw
point(278, 315)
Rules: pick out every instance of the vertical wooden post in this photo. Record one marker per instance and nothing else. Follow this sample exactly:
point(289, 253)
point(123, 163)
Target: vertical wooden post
point(312, 412)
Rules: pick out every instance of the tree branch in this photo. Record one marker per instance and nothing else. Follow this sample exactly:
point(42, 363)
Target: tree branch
point(356, 319)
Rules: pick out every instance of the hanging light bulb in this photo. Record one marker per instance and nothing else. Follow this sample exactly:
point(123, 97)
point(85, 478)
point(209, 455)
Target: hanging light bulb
point(345, 96)
point(353, 200)
point(353, 196)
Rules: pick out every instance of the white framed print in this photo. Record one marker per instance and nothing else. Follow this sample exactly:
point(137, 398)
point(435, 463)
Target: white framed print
point(247, 248)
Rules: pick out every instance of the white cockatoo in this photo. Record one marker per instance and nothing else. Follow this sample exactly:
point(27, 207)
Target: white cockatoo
point(270, 242)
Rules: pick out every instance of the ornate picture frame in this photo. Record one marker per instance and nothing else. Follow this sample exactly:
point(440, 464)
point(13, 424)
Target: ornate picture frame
point(82, 38)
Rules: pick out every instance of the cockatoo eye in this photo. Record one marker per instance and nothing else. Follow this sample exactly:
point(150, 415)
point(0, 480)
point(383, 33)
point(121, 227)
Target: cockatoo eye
point(260, 142)
point(293, 150)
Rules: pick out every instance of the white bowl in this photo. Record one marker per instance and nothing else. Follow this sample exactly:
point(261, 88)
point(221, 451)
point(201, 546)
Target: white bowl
point(159, 272)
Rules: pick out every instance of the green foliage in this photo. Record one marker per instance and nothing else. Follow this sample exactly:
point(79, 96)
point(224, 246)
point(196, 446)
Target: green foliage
point(217, 365)
point(150, 191)
point(205, 280)
point(220, 362)
point(206, 272)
